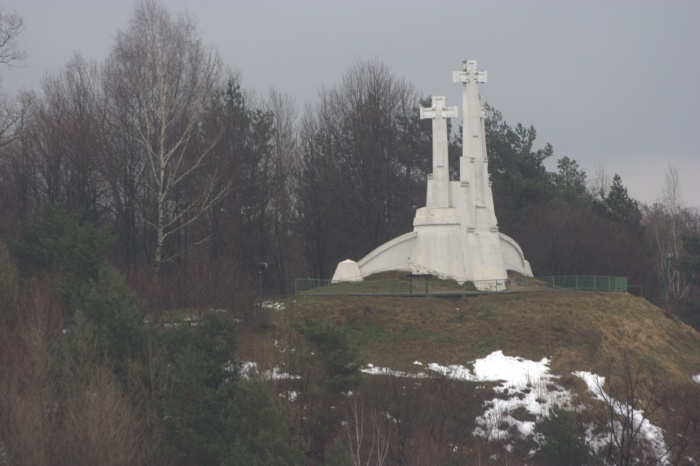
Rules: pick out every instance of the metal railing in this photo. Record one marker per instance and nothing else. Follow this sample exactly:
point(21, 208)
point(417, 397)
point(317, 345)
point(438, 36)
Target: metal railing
point(583, 282)
point(436, 286)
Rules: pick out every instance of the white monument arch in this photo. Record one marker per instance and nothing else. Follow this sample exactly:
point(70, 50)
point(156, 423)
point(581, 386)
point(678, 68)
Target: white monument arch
point(455, 236)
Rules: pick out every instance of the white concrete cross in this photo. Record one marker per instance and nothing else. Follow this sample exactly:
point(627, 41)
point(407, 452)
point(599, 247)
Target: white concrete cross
point(469, 69)
point(439, 114)
point(473, 146)
point(439, 183)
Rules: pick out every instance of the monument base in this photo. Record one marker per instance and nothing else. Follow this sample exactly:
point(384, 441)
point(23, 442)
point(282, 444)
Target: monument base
point(436, 249)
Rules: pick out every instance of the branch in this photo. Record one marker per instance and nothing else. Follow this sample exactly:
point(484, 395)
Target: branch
point(10, 27)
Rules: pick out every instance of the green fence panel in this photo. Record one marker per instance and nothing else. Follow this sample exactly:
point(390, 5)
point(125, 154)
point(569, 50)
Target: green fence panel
point(435, 286)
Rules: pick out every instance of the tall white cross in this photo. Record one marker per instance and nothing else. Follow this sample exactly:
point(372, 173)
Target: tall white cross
point(441, 171)
point(471, 167)
point(470, 77)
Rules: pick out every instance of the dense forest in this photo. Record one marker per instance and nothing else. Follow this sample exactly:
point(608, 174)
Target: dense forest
point(155, 180)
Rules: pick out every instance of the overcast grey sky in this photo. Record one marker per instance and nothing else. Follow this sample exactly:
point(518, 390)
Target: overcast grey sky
point(611, 84)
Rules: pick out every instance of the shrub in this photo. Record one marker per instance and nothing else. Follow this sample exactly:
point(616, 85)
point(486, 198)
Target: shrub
point(337, 357)
point(560, 442)
point(57, 246)
point(111, 310)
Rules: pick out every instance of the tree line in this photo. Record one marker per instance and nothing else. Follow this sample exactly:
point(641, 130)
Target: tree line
point(152, 184)
point(198, 179)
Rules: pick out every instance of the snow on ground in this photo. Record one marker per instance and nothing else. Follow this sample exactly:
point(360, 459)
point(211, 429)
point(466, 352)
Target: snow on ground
point(275, 306)
point(647, 430)
point(696, 378)
point(374, 370)
point(525, 384)
point(290, 395)
point(248, 368)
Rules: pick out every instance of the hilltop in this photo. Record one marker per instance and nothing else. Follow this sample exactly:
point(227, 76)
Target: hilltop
point(576, 329)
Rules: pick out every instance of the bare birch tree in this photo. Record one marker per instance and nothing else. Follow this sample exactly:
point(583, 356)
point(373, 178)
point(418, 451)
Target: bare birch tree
point(672, 200)
point(159, 79)
point(667, 223)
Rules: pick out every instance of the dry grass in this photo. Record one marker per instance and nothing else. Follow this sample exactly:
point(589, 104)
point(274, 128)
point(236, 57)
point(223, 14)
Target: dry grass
point(577, 330)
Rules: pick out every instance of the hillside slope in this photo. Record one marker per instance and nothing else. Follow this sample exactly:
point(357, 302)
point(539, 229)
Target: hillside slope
point(577, 330)
point(475, 376)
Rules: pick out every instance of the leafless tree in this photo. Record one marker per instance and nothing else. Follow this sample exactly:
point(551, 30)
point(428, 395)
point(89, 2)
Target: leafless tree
point(101, 425)
point(18, 172)
point(600, 183)
point(11, 25)
point(682, 418)
point(667, 222)
point(63, 139)
point(159, 79)
point(632, 398)
point(285, 156)
point(27, 401)
point(380, 433)
point(361, 173)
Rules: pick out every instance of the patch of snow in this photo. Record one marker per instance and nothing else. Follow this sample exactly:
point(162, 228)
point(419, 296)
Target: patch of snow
point(249, 368)
point(454, 371)
point(230, 367)
point(696, 378)
point(275, 306)
point(290, 395)
point(528, 384)
point(371, 369)
point(417, 363)
point(647, 430)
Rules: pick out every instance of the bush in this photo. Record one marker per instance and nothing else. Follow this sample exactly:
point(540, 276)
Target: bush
point(260, 432)
point(560, 443)
point(111, 310)
point(57, 246)
point(338, 358)
point(194, 401)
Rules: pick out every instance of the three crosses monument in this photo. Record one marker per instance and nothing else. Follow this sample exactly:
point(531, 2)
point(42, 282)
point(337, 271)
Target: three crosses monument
point(455, 236)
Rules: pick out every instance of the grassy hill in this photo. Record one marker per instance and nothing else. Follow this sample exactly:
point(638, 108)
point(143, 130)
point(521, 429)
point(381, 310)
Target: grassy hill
point(578, 330)
point(601, 333)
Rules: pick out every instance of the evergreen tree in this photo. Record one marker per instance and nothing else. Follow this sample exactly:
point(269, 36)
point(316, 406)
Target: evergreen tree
point(56, 246)
point(560, 443)
point(618, 206)
point(517, 170)
point(570, 181)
